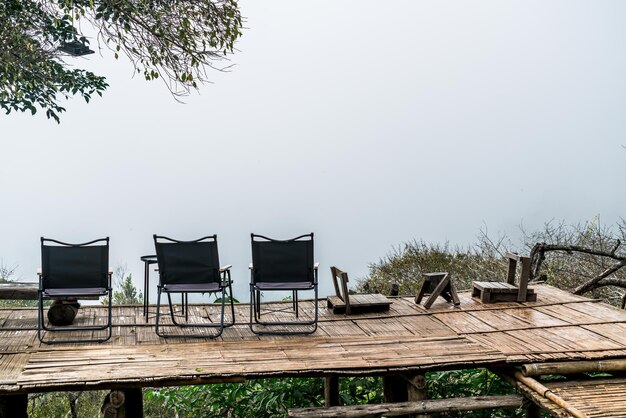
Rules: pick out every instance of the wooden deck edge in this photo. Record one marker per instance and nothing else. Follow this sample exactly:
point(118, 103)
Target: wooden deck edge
point(163, 381)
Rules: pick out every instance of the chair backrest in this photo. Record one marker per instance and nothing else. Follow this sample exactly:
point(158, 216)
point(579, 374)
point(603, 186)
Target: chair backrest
point(66, 266)
point(513, 258)
point(340, 281)
point(187, 262)
point(282, 261)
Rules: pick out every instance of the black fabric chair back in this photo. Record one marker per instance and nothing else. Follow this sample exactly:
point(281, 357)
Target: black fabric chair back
point(187, 262)
point(288, 261)
point(66, 266)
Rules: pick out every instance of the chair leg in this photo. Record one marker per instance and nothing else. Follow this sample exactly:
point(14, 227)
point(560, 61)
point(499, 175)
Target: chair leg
point(169, 299)
point(252, 307)
point(158, 312)
point(40, 317)
point(41, 325)
point(232, 305)
point(110, 316)
point(258, 306)
point(169, 303)
point(220, 326)
point(255, 306)
point(186, 305)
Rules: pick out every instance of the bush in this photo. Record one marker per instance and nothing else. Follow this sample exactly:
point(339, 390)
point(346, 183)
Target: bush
point(256, 398)
point(473, 382)
point(405, 265)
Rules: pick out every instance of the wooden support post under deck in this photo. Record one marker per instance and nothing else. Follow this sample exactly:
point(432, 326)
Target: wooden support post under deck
point(14, 406)
point(533, 411)
point(133, 407)
point(395, 390)
point(331, 391)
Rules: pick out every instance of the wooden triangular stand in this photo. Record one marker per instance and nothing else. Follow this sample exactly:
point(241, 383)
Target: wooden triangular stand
point(435, 285)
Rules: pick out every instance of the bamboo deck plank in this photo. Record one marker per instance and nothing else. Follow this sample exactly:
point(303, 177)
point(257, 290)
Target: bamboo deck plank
point(342, 329)
point(499, 319)
point(383, 326)
point(549, 294)
point(464, 322)
point(426, 326)
point(401, 306)
point(614, 331)
point(11, 366)
point(567, 313)
point(599, 311)
point(543, 340)
point(584, 339)
point(21, 319)
point(17, 341)
point(535, 318)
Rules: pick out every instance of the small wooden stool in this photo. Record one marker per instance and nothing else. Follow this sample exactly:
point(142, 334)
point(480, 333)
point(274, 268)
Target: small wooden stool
point(489, 292)
point(435, 285)
point(343, 302)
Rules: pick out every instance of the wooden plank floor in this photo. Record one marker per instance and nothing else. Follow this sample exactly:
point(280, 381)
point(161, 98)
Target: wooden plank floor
point(408, 338)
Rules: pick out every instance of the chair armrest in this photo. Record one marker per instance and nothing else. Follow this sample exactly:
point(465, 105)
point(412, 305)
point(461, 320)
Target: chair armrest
point(315, 271)
point(250, 266)
point(225, 274)
point(39, 272)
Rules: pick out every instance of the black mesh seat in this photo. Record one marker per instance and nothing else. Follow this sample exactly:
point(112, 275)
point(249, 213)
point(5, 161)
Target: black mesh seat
point(74, 271)
point(282, 265)
point(192, 267)
point(76, 292)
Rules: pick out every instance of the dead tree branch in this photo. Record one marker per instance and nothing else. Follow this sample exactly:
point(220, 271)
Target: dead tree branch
point(538, 255)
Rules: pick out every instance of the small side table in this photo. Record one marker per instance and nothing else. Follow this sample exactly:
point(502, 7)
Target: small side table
point(148, 260)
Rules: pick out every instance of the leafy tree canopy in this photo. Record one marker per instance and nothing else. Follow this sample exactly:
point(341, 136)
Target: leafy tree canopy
point(177, 41)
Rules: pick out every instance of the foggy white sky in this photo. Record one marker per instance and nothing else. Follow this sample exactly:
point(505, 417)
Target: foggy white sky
point(369, 123)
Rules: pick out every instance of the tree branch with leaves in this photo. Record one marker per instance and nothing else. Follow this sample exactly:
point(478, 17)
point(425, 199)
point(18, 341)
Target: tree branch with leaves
point(176, 41)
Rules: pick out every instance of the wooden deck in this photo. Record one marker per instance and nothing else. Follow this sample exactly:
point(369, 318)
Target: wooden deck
point(407, 339)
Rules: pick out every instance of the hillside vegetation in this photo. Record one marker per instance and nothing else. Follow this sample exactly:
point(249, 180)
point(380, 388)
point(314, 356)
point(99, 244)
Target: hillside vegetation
point(585, 258)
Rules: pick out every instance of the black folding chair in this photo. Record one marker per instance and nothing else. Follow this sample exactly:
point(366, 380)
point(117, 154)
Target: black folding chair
point(192, 267)
point(282, 265)
point(74, 271)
